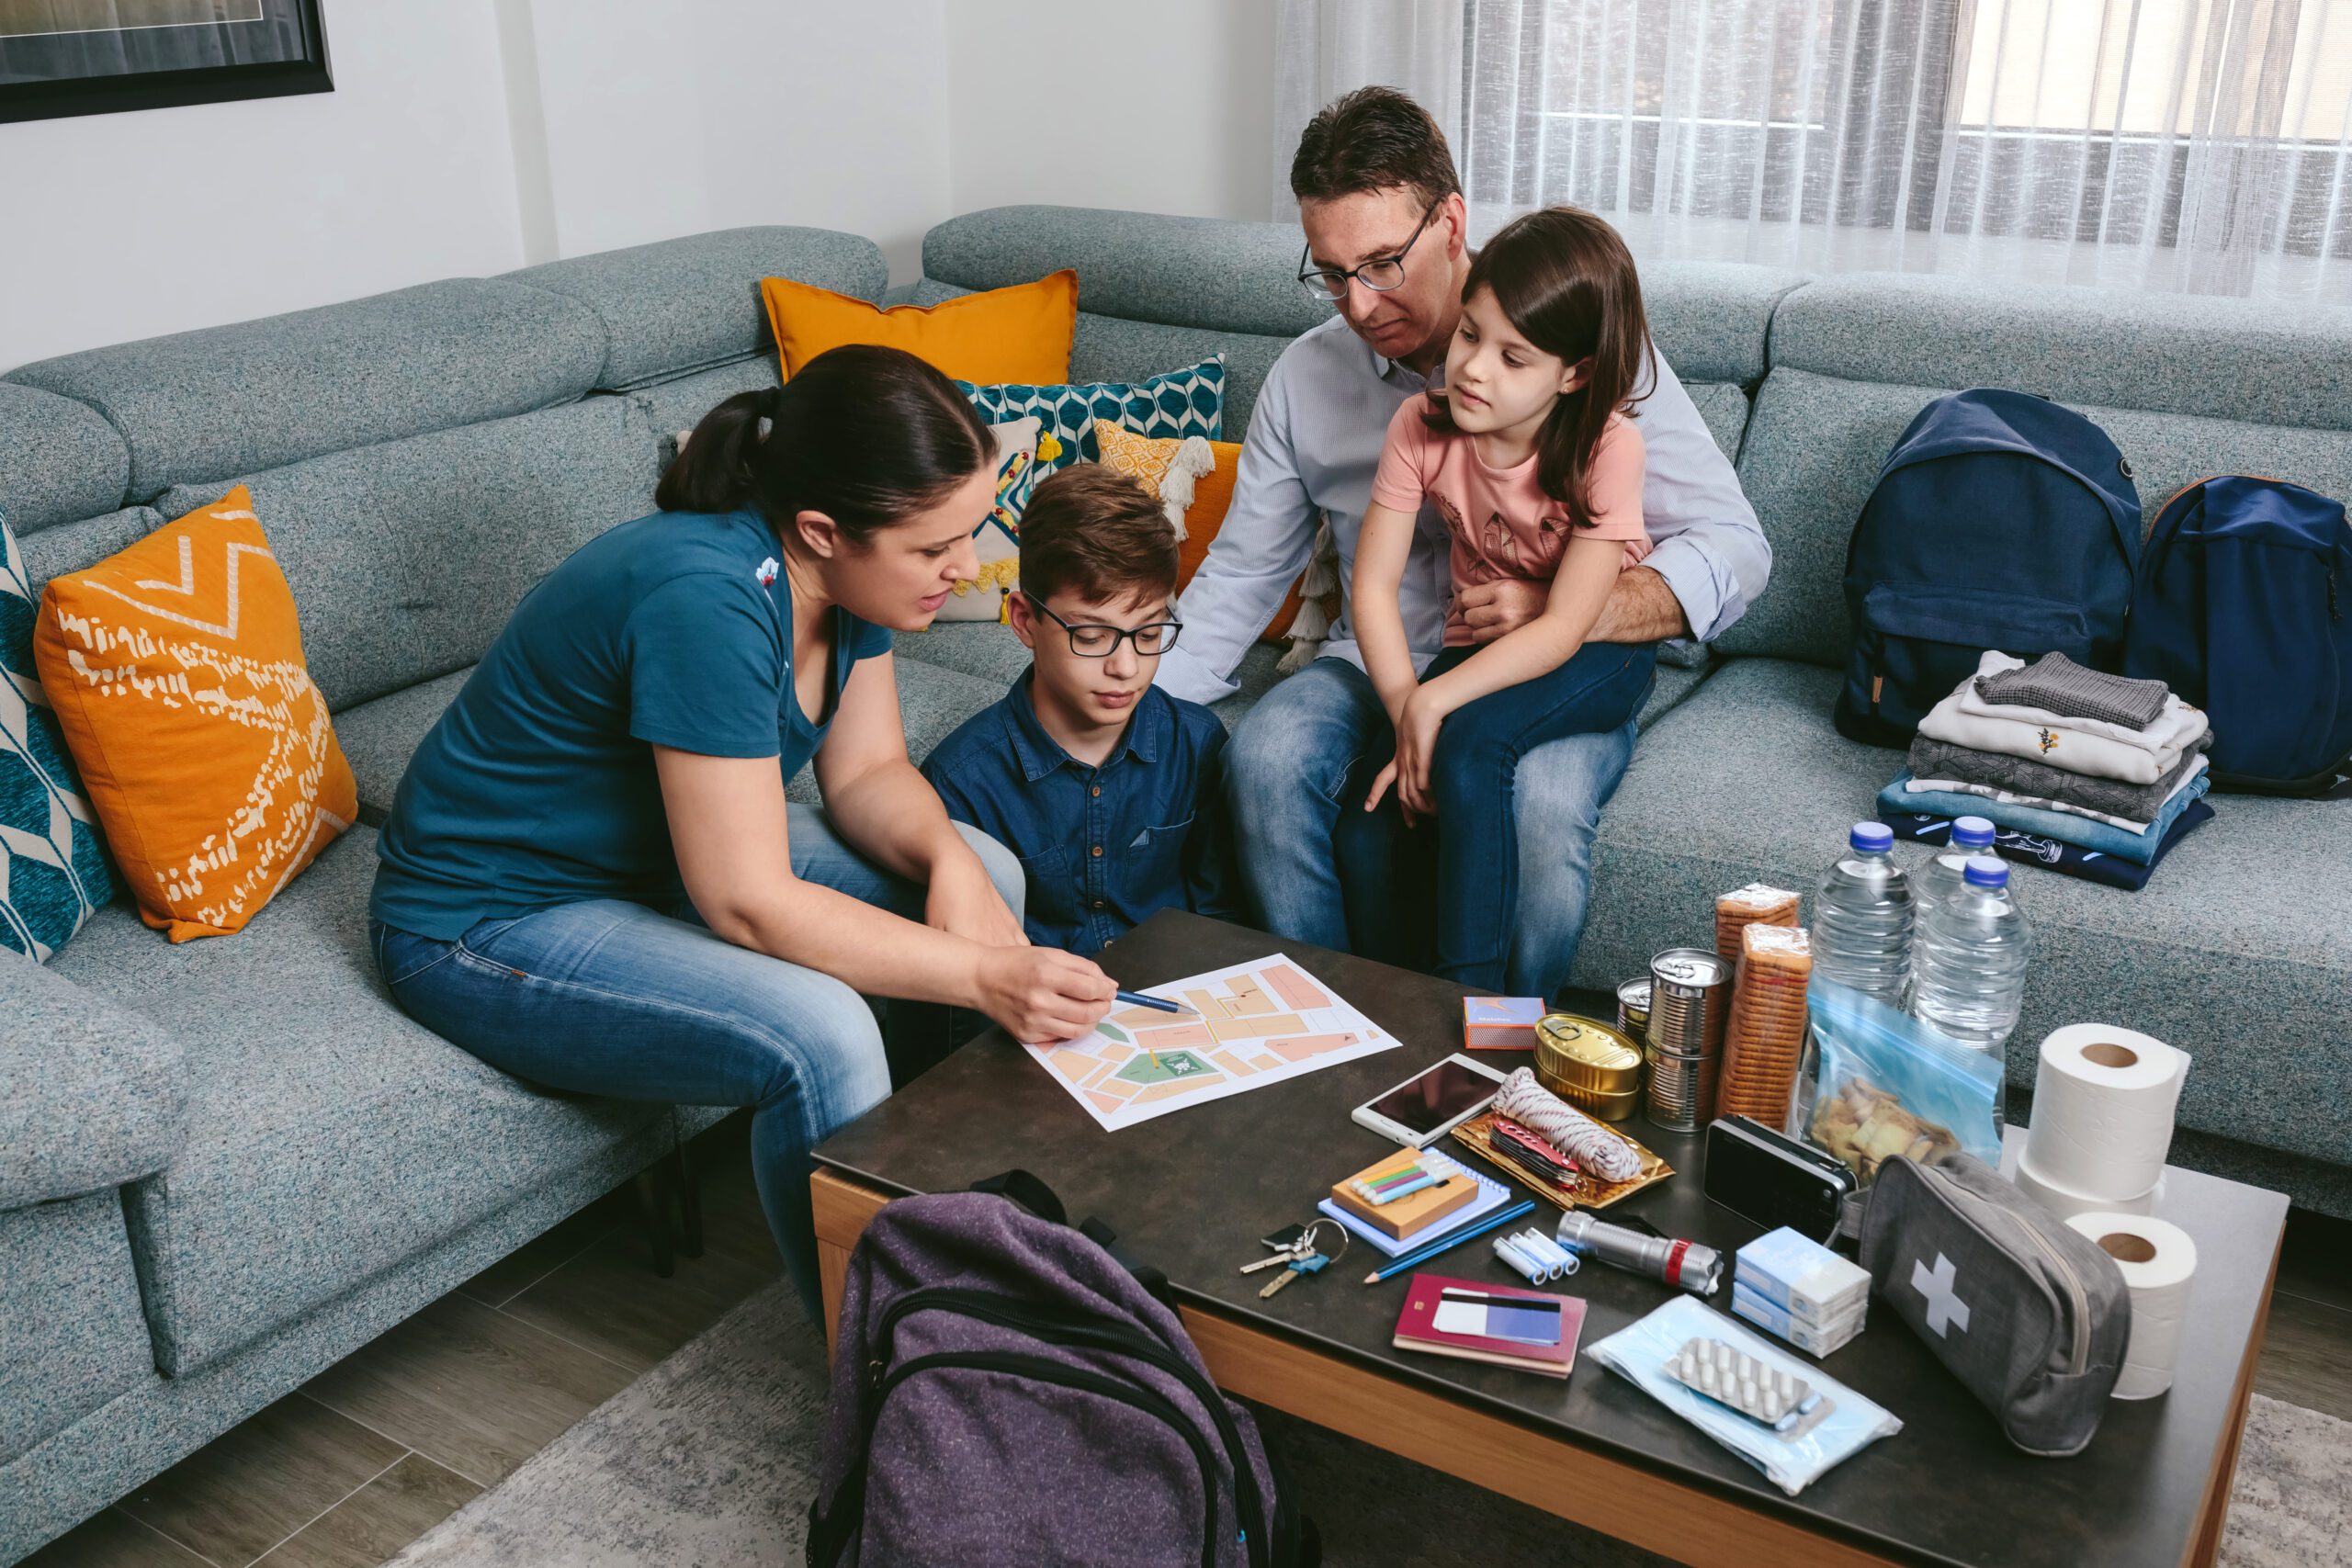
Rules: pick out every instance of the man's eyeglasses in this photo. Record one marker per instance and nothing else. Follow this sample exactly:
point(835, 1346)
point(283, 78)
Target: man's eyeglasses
point(1100, 642)
point(1380, 275)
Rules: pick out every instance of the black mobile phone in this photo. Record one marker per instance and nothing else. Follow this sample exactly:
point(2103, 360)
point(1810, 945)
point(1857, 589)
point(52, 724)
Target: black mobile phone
point(1768, 1177)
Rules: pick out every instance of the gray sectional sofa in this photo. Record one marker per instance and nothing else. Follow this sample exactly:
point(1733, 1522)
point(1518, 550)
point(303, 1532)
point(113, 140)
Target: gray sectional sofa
point(224, 1165)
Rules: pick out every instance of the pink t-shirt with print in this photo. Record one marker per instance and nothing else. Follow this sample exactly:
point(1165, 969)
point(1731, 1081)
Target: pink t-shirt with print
point(1500, 523)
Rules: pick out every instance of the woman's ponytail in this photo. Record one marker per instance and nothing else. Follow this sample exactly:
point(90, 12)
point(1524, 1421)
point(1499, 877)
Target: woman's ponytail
point(866, 436)
point(713, 471)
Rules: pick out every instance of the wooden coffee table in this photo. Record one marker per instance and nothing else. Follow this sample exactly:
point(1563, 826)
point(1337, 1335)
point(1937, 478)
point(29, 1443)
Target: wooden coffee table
point(1192, 1190)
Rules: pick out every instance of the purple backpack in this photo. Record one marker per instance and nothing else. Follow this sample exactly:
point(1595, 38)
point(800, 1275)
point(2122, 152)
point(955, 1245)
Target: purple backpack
point(1007, 1392)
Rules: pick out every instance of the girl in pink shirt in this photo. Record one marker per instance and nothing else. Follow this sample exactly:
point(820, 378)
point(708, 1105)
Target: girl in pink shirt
point(1527, 454)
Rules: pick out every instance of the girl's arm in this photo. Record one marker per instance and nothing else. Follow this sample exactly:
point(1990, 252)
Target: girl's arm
point(728, 826)
point(1588, 571)
point(1382, 546)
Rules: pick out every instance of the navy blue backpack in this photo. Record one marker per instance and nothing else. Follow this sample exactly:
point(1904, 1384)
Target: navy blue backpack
point(2245, 609)
point(2002, 521)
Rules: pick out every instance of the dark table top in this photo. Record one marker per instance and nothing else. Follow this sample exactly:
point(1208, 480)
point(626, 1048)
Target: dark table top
point(1192, 1190)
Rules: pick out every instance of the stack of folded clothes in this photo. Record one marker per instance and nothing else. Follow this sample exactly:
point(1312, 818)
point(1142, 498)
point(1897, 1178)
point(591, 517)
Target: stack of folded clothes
point(2083, 772)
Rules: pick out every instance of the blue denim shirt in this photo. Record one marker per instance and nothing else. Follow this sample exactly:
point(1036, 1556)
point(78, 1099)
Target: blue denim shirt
point(1102, 847)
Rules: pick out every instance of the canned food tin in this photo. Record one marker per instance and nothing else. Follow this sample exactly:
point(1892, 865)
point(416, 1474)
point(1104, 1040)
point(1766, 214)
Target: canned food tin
point(1634, 1010)
point(1689, 1001)
point(1682, 1090)
point(1585, 1055)
point(1601, 1107)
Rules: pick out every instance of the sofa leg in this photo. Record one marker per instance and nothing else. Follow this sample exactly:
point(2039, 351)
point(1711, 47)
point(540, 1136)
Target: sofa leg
point(652, 1213)
point(689, 1181)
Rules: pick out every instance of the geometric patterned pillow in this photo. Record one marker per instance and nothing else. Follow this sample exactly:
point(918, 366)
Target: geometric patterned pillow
point(1181, 402)
point(996, 540)
point(177, 672)
point(53, 870)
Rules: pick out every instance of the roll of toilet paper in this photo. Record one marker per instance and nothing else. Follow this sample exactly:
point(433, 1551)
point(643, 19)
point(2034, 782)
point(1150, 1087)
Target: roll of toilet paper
point(2159, 1263)
point(2103, 1102)
point(2065, 1202)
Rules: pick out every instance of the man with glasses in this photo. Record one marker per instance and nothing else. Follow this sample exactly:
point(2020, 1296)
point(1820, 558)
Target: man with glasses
point(1386, 250)
point(1109, 790)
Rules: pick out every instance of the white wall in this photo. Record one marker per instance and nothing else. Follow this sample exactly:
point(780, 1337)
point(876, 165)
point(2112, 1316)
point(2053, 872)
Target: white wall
point(474, 136)
point(126, 225)
point(1165, 107)
point(671, 117)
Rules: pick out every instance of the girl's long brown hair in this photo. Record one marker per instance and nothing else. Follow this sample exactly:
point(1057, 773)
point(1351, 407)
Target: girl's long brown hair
point(1567, 283)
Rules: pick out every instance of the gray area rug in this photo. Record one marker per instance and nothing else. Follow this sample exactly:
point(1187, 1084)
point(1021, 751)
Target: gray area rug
point(709, 1462)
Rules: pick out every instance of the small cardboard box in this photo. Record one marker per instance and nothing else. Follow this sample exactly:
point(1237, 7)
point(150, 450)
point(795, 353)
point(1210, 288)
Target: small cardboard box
point(1401, 1217)
point(1500, 1023)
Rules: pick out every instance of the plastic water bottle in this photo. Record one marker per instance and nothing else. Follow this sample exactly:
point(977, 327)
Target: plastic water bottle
point(1946, 875)
point(1972, 960)
point(1861, 917)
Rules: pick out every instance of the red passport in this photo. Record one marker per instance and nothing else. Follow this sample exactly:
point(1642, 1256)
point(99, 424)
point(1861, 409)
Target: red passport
point(1518, 1345)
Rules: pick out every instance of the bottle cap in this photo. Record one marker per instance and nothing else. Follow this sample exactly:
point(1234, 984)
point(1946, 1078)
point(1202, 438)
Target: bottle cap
point(1971, 830)
point(1983, 871)
point(1871, 838)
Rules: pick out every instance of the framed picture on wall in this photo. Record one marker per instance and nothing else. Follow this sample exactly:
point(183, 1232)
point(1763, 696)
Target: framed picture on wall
point(75, 57)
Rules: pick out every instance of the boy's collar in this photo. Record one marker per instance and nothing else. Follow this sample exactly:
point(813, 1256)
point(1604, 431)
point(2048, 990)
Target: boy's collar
point(1040, 753)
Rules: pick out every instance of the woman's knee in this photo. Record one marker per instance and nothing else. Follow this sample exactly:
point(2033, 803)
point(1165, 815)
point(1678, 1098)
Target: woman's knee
point(1003, 867)
point(815, 1041)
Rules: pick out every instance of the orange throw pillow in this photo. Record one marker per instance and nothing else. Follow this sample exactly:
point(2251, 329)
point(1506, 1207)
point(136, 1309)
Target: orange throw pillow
point(1019, 335)
point(1212, 493)
point(175, 670)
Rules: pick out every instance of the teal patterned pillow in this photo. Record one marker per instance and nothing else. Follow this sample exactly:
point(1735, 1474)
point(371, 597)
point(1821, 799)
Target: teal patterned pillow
point(1181, 402)
point(53, 868)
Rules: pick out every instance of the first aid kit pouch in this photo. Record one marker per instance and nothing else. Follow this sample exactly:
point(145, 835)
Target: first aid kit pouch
point(2032, 1317)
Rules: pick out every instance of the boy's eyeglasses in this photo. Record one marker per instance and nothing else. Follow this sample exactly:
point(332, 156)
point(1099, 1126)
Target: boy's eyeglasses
point(1089, 641)
point(1380, 275)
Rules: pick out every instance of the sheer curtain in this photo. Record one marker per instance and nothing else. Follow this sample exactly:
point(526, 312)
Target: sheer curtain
point(2198, 145)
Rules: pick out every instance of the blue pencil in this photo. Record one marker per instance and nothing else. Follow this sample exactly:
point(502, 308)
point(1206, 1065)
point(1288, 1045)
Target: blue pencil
point(1161, 1004)
point(1420, 1255)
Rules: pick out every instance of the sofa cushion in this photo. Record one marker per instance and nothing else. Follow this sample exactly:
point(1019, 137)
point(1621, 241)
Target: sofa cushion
point(1813, 451)
point(933, 700)
point(1724, 407)
point(379, 736)
point(1712, 320)
point(69, 547)
point(59, 459)
point(2239, 950)
point(685, 305)
point(71, 1336)
point(328, 1137)
point(678, 405)
point(205, 406)
point(1145, 266)
point(407, 559)
point(91, 1094)
point(2265, 362)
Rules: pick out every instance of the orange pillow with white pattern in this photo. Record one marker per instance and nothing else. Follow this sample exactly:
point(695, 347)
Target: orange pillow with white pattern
point(175, 670)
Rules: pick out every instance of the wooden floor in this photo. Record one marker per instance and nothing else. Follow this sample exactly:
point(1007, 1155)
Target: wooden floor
point(373, 1452)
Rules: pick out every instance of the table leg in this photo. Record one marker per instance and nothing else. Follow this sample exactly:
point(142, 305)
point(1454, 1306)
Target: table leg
point(2206, 1549)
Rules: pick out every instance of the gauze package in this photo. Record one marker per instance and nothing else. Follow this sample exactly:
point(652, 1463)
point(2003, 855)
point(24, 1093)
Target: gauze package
point(1641, 1352)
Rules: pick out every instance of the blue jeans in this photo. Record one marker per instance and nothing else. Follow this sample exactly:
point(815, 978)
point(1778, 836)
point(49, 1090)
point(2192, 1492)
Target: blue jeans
point(610, 997)
point(1318, 868)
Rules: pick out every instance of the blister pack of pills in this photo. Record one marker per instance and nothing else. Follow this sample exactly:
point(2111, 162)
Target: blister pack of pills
point(1767, 1396)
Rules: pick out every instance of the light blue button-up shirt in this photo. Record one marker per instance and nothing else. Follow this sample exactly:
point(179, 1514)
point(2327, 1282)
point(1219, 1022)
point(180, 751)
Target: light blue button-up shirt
point(1314, 442)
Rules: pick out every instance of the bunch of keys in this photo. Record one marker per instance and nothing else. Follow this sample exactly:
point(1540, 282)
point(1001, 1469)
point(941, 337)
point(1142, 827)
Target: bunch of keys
point(1294, 1253)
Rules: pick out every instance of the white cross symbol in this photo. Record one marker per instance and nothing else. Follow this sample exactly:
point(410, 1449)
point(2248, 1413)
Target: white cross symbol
point(1944, 1305)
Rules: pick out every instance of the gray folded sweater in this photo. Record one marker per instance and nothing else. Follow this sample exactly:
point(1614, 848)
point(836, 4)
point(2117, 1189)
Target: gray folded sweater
point(2055, 683)
point(2134, 803)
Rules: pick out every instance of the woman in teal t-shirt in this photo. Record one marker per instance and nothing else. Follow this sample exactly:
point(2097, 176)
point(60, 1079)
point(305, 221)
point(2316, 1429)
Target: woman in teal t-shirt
point(591, 878)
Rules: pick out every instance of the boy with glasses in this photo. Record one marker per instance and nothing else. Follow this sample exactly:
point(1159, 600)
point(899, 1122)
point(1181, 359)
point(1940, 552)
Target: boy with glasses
point(1110, 790)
